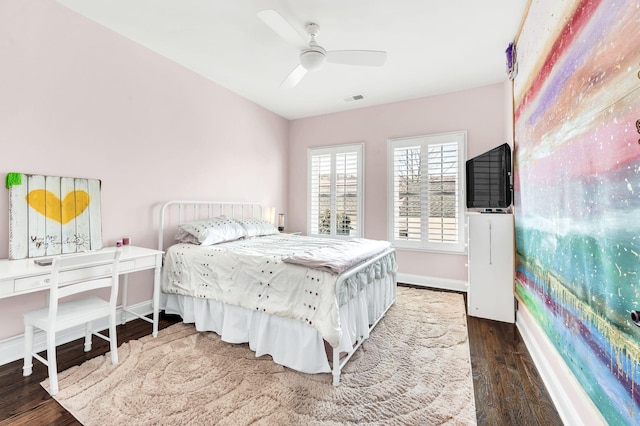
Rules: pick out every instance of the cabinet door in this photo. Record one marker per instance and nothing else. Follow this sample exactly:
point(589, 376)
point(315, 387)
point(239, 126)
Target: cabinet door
point(491, 266)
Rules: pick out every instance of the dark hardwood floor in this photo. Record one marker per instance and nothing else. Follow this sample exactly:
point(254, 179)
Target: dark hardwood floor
point(508, 389)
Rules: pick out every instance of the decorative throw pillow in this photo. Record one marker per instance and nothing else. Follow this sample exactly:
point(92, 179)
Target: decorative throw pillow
point(214, 230)
point(183, 236)
point(256, 227)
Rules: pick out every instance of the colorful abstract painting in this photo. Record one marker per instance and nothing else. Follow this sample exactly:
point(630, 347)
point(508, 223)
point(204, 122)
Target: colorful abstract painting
point(577, 191)
point(51, 215)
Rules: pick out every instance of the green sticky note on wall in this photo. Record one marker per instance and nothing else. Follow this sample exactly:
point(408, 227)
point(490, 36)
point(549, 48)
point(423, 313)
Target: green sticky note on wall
point(13, 179)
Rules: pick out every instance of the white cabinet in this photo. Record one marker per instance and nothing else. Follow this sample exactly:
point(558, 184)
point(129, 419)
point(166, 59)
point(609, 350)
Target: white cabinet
point(491, 266)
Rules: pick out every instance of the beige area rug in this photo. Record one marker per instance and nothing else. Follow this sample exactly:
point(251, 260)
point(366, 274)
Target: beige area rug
point(413, 370)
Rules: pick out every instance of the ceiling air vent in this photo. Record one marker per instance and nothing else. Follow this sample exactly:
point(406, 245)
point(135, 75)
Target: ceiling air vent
point(353, 98)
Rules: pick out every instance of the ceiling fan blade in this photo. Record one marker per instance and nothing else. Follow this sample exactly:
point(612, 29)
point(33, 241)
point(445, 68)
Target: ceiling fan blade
point(372, 58)
point(294, 77)
point(280, 26)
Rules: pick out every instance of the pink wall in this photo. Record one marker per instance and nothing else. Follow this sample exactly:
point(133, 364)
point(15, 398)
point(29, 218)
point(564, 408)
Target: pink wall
point(78, 100)
point(481, 112)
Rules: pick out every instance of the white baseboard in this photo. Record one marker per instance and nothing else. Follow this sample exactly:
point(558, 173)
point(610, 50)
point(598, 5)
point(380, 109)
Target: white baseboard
point(442, 283)
point(572, 403)
point(12, 349)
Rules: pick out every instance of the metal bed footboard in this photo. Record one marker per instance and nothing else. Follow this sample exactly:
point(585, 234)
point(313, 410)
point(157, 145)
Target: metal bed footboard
point(338, 363)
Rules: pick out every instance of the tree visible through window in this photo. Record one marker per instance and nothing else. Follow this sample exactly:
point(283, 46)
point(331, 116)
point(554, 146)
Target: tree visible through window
point(427, 207)
point(343, 224)
point(335, 190)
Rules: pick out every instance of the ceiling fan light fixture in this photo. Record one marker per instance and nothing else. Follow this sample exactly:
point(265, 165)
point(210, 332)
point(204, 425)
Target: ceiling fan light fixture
point(312, 60)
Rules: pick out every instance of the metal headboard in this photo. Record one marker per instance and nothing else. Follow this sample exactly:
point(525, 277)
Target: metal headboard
point(176, 212)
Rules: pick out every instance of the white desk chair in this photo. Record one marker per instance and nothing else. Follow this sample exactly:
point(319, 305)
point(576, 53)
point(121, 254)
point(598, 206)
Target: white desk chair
point(89, 273)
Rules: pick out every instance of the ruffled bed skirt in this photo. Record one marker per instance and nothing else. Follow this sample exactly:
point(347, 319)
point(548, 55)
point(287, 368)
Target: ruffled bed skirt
point(290, 342)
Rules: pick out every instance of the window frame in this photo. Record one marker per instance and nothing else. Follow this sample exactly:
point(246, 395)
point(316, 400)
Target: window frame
point(423, 244)
point(334, 150)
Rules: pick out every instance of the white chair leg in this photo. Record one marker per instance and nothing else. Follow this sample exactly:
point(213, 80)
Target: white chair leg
point(113, 339)
point(52, 363)
point(27, 368)
point(87, 337)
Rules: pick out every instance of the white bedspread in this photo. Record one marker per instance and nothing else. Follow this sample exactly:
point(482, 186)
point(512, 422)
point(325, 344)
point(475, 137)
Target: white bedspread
point(252, 273)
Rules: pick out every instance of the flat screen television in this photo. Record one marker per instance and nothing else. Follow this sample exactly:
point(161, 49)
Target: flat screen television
point(489, 179)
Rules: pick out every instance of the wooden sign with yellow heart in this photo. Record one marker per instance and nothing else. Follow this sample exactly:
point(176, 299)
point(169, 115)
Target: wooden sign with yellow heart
point(62, 211)
point(51, 215)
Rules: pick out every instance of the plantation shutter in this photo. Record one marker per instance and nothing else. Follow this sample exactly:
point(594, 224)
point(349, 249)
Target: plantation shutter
point(442, 193)
point(407, 196)
point(426, 202)
point(346, 193)
point(320, 191)
point(335, 191)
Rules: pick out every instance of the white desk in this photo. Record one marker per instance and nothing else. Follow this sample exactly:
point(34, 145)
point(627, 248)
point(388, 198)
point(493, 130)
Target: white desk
point(23, 276)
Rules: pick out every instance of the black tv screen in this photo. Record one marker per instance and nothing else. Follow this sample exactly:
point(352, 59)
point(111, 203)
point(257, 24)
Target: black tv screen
point(489, 179)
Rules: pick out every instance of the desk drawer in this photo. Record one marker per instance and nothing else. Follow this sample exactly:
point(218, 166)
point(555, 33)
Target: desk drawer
point(147, 262)
point(6, 287)
point(38, 281)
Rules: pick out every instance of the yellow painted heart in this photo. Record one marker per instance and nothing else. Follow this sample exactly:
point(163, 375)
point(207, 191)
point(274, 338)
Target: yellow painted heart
point(63, 211)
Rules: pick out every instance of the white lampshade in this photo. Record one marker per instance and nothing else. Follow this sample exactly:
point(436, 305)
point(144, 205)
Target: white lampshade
point(270, 215)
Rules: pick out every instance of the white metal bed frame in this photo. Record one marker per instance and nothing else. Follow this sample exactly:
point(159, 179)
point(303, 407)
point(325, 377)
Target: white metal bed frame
point(195, 210)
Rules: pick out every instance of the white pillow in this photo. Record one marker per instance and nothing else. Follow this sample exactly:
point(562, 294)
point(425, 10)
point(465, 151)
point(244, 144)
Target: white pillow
point(214, 230)
point(256, 227)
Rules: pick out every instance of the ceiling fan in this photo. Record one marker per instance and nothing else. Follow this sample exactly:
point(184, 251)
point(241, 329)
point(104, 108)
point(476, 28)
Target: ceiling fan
point(313, 56)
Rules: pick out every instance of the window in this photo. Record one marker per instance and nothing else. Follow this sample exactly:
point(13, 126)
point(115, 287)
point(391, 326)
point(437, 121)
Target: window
point(335, 176)
point(426, 202)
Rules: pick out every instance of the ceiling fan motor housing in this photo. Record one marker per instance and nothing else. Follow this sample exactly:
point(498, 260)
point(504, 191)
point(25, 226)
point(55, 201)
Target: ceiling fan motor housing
point(315, 56)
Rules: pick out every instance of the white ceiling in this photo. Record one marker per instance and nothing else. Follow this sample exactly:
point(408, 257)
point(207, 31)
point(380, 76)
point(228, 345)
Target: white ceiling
point(433, 46)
